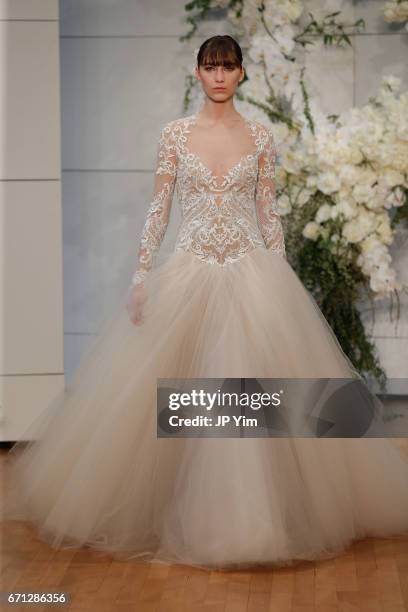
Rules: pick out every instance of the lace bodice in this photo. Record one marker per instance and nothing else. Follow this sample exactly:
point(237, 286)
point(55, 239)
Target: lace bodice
point(222, 218)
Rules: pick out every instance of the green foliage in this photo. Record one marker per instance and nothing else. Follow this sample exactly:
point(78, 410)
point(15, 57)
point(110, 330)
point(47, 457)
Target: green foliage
point(197, 10)
point(189, 84)
point(306, 105)
point(334, 279)
point(335, 284)
point(330, 31)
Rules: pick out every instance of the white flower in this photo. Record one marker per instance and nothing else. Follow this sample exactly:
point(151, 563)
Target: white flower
point(284, 36)
point(383, 280)
point(304, 196)
point(392, 178)
point(396, 11)
point(384, 230)
point(280, 13)
point(323, 213)
point(311, 230)
point(328, 182)
point(370, 244)
point(293, 9)
point(311, 181)
point(254, 87)
point(283, 204)
point(348, 174)
point(291, 160)
point(398, 153)
point(363, 192)
point(356, 229)
point(260, 45)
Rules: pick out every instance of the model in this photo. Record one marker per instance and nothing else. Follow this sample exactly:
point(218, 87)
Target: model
point(225, 303)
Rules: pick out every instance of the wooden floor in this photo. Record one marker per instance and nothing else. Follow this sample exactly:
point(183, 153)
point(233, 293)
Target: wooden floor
point(371, 576)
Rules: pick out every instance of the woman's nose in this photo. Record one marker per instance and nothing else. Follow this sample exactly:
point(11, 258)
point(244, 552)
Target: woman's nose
point(219, 75)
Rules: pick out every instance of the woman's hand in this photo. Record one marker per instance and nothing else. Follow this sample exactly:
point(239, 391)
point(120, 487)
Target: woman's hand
point(134, 304)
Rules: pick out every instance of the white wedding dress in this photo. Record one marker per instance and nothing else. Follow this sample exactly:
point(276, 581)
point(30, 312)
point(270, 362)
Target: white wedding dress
point(225, 303)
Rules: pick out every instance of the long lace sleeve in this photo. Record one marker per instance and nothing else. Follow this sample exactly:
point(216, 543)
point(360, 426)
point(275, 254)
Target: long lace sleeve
point(158, 214)
point(269, 220)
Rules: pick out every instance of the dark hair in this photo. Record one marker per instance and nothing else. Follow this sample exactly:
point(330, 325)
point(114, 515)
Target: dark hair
point(220, 50)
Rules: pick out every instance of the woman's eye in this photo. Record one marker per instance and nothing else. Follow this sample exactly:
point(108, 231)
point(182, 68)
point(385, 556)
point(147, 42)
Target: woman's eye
point(208, 68)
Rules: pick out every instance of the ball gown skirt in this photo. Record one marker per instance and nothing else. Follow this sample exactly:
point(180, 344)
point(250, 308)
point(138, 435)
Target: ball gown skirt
point(95, 473)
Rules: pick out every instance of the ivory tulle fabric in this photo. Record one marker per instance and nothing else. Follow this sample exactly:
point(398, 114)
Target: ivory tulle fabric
point(100, 476)
point(96, 474)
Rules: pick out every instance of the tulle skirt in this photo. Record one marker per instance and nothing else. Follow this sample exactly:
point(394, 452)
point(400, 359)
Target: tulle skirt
point(96, 474)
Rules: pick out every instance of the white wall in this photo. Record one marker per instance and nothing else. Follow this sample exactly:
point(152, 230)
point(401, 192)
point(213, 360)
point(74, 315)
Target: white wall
point(31, 316)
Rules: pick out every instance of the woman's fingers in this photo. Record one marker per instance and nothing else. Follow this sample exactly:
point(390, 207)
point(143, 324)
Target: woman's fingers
point(134, 305)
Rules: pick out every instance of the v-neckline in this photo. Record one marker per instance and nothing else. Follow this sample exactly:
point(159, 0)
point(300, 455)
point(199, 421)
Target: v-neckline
point(215, 177)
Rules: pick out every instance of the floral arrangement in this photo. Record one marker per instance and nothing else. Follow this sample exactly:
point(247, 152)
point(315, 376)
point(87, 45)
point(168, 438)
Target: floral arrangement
point(342, 180)
point(396, 11)
point(361, 164)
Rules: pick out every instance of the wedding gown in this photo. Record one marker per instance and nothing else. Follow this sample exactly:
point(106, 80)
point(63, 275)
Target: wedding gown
point(225, 303)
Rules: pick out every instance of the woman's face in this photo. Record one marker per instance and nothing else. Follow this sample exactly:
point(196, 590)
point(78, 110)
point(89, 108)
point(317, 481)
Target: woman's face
point(219, 82)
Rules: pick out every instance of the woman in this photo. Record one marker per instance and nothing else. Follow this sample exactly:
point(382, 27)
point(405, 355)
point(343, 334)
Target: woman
point(225, 303)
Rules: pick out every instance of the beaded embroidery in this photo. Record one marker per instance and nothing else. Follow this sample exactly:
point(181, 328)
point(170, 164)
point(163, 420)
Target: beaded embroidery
point(223, 218)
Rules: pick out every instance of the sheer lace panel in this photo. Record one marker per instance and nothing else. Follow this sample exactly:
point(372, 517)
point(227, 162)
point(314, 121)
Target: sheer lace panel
point(218, 183)
point(222, 218)
point(158, 214)
point(265, 199)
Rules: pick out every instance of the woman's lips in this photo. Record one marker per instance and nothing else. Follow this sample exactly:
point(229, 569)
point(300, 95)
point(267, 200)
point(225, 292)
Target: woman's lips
point(219, 88)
